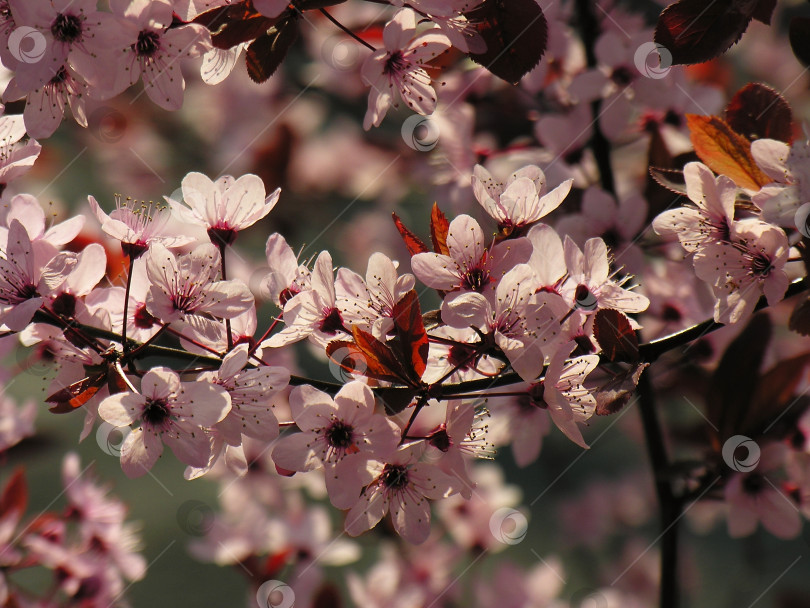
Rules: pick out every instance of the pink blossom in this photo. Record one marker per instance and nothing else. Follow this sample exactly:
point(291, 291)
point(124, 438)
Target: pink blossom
point(401, 66)
point(563, 393)
point(137, 225)
point(153, 50)
point(314, 313)
point(470, 265)
point(23, 282)
point(521, 201)
point(226, 206)
point(251, 392)
point(370, 303)
point(15, 159)
point(521, 323)
point(16, 422)
point(333, 428)
point(399, 484)
point(167, 411)
point(789, 167)
point(744, 267)
point(589, 285)
point(752, 497)
point(287, 277)
point(712, 215)
point(186, 288)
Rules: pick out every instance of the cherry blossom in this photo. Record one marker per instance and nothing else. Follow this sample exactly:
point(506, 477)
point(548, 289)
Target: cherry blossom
point(167, 411)
point(186, 288)
point(752, 497)
point(333, 428)
point(521, 201)
point(522, 324)
point(788, 166)
point(370, 303)
point(743, 268)
point(137, 225)
point(24, 283)
point(287, 277)
point(471, 266)
point(712, 215)
point(399, 484)
point(226, 206)
point(401, 66)
point(152, 50)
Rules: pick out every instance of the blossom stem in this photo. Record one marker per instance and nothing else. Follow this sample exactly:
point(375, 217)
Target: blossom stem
point(589, 30)
point(228, 332)
point(347, 30)
point(124, 343)
point(146, 344)
point(174, 332)
point(264, 336)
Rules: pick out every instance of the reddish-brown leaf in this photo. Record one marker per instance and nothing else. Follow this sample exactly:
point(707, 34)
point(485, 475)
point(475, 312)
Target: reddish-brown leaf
point(515, 33)
point(799, 36)
point(412, 242)
point(612, 396)
point(724, 151)
point(411, 334)
point(734, 381)
point(775, 395)
point(355, 360)
point(77, 394)
point(616, 337)
point(800, 318)
point(764, 10)
point(671, 179)
point(694, 31)
point(266, 53)
point(232, 25)
point(758, 112)
point(14, 499)
point(439, 226)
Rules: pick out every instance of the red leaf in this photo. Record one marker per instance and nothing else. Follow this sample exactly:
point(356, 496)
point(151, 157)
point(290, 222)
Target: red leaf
point(800, 318)
point(439, 227)
point(369, 357)
point(764, 10)
point(14, 499)
point(758, 112)
point(612, 396)
point(77, 394)
point(410, 330)
point(266, 53)
point(694, 31)
point(725, 151)
point(515, 33)
point(232, 25)
point(799, 36)
point(616, 337)
point(734, 380)
point(775, 395)
point(412, 242)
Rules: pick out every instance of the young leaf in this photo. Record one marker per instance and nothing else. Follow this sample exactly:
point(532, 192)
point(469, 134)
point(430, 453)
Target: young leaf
point(671, 179)
point(725, 151)
point(77, 394)
point(14, 498)
point(694, 31)
point(515, 32)
point(234, 24)
point(355, 360)
point(758, 112)
point(439, 227)
point(395, 399)
point(266, 53)
point(412, 242)
point(800, 318)
point(616, 337)
point(410, 331)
